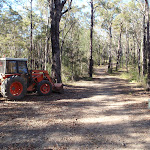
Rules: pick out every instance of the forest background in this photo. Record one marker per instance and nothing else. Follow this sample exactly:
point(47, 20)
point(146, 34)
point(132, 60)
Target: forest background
point(92, 32)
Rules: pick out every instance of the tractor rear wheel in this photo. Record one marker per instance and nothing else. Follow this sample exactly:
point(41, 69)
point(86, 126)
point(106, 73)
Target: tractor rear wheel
point(13, 88)
point(44, 88)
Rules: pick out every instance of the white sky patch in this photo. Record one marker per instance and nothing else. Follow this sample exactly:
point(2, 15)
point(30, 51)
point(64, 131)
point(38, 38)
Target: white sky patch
point(80, 2)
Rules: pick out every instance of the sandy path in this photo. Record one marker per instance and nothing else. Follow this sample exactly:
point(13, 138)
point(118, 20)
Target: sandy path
point(106, 113)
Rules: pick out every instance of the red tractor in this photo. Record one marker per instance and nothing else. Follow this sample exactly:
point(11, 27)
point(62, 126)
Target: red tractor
point(16, 80)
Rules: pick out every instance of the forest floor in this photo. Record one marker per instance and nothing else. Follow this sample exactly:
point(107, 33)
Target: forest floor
point(105, 113)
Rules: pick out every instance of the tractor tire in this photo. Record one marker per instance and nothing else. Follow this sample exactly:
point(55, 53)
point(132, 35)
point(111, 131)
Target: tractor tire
point(44, 88)
point(14, 88)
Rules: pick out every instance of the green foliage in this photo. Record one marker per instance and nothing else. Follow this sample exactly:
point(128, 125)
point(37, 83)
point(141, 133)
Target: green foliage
point(11, 33)
point(74, 53)
point(74, 35)
point(132, 75)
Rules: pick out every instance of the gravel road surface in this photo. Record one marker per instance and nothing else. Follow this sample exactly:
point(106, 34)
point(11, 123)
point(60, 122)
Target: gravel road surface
point(107, 113)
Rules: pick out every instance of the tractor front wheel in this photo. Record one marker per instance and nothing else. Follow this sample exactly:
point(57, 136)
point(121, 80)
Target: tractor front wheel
point(14, 88)
point(44, 88)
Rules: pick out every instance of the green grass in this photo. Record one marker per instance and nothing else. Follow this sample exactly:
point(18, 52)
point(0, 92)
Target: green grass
point(133, 76)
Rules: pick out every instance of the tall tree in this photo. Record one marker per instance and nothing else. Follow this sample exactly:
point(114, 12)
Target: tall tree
point(91, 41)
point(109, 12)
point(144, 43)
point(119, 53)
point(31, 38)
point(127, 49)
point(56, 13)
point(110, 50)
point(148, 44)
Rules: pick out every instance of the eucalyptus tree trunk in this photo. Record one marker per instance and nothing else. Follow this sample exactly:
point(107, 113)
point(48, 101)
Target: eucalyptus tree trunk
point(144, 46)
point(138, 53)
point(47, 43)
point(148, 45)
point(31, 38)
point(134, 57)
point(99, 55)
point(56, 13)
point(139, 59)
point(127, 49)
point(110, 45)
point(119, 54)
point(91, 42)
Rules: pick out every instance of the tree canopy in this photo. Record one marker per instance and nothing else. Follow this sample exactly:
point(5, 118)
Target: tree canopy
point(119, 35)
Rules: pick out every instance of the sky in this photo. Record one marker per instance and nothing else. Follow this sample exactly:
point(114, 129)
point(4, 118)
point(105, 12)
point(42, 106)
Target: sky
point(85, 2)
point(81, 2)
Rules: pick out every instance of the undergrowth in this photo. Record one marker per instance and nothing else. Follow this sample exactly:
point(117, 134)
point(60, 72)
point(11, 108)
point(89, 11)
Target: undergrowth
point(132, 76)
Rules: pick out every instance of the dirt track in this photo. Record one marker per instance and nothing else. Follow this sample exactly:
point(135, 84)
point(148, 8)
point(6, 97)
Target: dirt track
point(106, 113)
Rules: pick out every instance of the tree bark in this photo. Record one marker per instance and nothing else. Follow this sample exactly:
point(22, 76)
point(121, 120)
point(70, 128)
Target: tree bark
point(144, 46)
point(47, 43)
point(127, 49)
point(139, 60)
point(56, 66)
point(148, 45)
point(134, 48)
point(119, 54)
point(56, 14)
point(91, 42)
point(110, 54)
point(99, 55)
point(31, 38)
